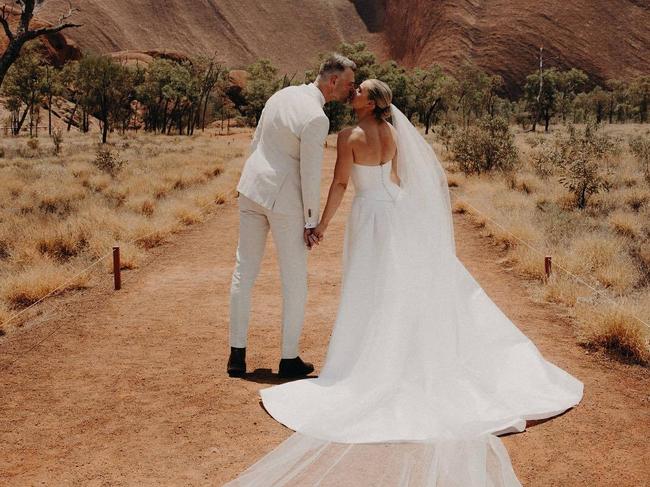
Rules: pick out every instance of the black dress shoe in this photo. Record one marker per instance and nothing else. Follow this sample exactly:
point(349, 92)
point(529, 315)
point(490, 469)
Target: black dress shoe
point(294, 367)
point(237, 362)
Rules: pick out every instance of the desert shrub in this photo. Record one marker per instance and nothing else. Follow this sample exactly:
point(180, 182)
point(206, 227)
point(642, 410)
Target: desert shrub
point(577, 156)
point(30, 150)
point(581, 177)
point(485, 147)
point(108, 161)
point(535, 141)
point(57, 140)
point(580, 165)
point(640, 148)
point(544, 161)
point(33, 144)
point(446, 134)
point(4, 248)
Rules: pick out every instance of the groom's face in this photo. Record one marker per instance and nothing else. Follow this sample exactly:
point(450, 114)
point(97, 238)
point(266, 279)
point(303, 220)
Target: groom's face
point(343, 85)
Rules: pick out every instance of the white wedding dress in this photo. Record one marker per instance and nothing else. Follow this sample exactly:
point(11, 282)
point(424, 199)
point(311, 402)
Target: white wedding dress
point(423, 369)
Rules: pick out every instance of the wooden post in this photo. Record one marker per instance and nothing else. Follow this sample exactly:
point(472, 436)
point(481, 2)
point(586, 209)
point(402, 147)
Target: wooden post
point(547, 266)
point(116, 268)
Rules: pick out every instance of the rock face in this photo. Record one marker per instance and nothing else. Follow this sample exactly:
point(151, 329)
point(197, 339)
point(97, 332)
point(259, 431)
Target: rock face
point(289, 32)
point(606, 38)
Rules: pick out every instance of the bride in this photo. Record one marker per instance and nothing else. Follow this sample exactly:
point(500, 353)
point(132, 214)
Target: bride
point(420, 359)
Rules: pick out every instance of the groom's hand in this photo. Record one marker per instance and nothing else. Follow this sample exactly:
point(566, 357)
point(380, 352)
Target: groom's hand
point(309, 237)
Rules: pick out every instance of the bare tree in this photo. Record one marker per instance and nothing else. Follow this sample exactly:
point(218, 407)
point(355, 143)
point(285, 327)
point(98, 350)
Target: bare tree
point(23, 33)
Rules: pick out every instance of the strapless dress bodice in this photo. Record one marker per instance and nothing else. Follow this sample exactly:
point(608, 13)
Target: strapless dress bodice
point(374, 182)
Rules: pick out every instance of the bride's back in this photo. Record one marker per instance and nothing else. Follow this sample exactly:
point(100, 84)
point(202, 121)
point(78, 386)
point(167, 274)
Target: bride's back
point(373, 142)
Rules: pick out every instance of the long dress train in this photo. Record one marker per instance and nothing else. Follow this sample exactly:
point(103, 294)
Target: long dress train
point(422, 369)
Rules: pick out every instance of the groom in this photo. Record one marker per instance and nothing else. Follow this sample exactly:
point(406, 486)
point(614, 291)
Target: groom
point(279, 190)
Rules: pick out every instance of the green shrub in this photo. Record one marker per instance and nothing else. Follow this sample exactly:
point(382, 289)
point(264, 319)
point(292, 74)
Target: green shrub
point(485, 147)
point(446, 133)
point(578, 156)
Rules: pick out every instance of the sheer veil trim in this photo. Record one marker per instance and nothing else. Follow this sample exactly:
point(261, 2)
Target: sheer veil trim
point(302, 461)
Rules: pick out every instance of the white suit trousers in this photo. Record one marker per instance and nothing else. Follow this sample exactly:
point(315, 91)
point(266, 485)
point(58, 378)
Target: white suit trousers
point(287, 231)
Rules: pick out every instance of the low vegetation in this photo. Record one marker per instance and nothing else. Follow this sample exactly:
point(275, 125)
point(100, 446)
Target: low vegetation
point(579, 194)
point(60, 213)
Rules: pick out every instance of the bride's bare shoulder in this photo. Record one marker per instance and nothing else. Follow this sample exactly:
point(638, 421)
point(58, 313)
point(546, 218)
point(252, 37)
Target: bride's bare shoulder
point(391, 127)
point(350, 134)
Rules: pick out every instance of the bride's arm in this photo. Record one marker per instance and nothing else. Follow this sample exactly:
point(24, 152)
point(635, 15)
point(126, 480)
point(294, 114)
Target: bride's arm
point(344, 160)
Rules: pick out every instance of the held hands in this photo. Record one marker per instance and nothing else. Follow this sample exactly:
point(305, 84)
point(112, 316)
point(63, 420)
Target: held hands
point(313, 236)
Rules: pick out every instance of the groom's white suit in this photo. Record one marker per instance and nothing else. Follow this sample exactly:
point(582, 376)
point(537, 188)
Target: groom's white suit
point(279, 189)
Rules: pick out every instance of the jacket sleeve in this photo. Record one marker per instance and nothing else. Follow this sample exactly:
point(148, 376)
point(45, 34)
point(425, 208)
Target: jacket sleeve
point(258, 132)
point(312, 140)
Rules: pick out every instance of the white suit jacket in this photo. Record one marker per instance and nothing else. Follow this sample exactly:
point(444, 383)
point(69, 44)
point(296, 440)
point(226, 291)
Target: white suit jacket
point(283, 171)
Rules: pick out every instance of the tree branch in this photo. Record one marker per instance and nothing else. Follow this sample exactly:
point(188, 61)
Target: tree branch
point(5, 24)
point(33, 34)
point(71, 11)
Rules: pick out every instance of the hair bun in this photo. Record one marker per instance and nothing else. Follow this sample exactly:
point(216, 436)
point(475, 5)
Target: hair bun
point(382, 112)
point(381, 94)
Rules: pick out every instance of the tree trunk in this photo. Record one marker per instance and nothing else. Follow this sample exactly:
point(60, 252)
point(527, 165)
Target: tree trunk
point(31, 118)
point(429, 114)
point(164, 120)
point(21, 121)
point(205, 109)
point(49, 115)
point(104, 127)
point(9, 57)
point(547, 120)
point(71, 119)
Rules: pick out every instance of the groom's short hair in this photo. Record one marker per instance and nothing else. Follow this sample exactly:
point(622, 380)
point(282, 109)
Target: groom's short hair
point(335, 63)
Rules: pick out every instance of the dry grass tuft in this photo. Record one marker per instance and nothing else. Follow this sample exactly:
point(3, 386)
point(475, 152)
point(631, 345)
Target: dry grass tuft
point(626, 224)
point(564, 289)
point(615, 330)
point(529, 262)
point(644, 254)
point(5, 315)
point(460, 207)
point(59, 215)
point(24, 289)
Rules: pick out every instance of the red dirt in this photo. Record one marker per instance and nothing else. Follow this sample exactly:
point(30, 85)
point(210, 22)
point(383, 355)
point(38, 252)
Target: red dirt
point(132, 388)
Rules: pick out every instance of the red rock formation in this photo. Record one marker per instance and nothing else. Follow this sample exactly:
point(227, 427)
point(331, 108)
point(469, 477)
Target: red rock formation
point(605, 38)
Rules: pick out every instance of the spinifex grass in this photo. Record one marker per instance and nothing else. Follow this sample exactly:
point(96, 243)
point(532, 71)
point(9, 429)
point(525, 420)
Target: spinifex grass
point(60, 213)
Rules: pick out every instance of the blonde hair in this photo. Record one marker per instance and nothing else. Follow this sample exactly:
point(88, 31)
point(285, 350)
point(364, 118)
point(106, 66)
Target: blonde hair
point(381, 94)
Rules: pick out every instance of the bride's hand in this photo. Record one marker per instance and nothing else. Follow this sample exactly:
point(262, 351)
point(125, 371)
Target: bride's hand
point(319, 231)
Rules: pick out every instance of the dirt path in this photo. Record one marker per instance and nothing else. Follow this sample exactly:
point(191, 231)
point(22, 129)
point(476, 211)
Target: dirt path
point(132, 389)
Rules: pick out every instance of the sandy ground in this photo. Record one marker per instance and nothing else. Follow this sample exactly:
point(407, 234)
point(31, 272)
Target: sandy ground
point(131, 387)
